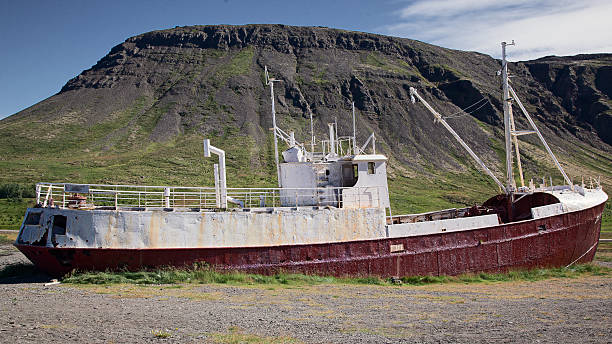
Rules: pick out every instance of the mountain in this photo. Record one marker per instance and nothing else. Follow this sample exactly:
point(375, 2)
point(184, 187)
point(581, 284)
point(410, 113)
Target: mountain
point(139, 114)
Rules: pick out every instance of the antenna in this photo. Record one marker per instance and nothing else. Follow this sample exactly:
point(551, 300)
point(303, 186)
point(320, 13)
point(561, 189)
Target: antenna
point(354, 135)
point(312, 137)
point(270, 82)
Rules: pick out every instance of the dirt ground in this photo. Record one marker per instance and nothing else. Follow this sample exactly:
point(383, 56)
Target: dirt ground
point(554, 310)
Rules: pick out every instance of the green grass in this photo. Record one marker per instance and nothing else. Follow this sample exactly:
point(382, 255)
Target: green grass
point(12, 211)
point(448, 190)
point(397, 66)
point(5, 240)
point(161, 334)
point(514, 275)
point(234, 335)
point(239, 64)
point(205, 275)
point(606, 219)
point(603, 258)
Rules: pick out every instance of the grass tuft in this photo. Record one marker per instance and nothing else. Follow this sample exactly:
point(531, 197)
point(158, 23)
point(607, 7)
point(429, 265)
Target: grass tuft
point(203, 274)
point(161, 334)
point(236, 335)
point(5, 240)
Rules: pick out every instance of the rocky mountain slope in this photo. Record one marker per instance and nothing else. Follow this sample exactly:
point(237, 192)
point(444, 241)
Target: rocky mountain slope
point(139, 114)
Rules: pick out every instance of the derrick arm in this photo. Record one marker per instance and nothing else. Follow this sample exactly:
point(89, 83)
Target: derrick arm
point(413, 94)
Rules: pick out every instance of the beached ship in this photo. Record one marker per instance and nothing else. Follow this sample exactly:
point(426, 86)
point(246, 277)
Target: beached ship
point(329, 215)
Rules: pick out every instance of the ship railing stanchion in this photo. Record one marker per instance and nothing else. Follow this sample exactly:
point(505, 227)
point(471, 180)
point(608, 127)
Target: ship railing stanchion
point(37, 193)
point(167, 197)
point(47, 196)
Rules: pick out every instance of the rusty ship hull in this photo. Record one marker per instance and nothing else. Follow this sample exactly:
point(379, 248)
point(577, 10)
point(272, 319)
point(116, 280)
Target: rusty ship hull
point(554, 241)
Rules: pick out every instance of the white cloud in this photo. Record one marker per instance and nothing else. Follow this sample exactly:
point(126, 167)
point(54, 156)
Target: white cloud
point(539, 27)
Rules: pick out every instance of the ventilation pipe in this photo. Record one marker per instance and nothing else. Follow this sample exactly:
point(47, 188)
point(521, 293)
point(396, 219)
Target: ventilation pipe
point(220, 182)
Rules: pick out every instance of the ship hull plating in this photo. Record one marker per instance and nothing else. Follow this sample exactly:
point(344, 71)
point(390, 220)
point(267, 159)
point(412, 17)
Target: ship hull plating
point(553, 241)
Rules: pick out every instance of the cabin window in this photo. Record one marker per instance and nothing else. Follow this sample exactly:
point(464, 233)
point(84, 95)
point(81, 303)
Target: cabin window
point(327, 172)
point(33, 219)
point(371, 169)
point(355, 171)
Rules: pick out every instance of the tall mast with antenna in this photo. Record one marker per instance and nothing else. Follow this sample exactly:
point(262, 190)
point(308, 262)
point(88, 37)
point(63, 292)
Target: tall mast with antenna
point(270, 82)
point(354, 135)
point(507, 120)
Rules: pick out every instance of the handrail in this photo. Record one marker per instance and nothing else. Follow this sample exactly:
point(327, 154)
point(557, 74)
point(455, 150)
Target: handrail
point(118, 196)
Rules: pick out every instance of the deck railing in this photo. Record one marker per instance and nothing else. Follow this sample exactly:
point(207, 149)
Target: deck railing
point(99, 196)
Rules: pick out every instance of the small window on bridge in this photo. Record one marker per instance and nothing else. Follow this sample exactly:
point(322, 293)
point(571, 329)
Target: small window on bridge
point(33, 219)
point(371, 169)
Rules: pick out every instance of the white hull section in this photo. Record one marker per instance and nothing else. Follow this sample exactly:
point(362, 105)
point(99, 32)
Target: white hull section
point(184, 229)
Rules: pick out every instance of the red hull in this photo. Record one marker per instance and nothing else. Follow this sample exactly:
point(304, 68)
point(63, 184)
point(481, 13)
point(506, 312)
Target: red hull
point(555, 241)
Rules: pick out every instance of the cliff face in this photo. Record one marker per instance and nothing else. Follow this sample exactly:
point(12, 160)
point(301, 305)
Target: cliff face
point(582, 86)
point(159, 89)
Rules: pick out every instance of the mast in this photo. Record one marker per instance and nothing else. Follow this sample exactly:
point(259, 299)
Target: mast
point(312, 137)
point(354, 135)
point(507, 120)
point(511, 133)
point(271, 83)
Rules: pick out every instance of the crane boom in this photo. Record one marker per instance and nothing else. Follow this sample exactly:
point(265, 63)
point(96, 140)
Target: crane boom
point(413, 93)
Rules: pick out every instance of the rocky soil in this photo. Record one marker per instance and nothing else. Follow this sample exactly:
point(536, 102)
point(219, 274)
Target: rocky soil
point(550, 311)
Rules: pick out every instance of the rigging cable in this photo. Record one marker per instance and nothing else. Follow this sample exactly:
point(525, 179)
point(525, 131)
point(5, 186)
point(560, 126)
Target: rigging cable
point(459, 114)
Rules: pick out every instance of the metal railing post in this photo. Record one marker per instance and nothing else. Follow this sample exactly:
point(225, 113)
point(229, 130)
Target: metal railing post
point(167, 197)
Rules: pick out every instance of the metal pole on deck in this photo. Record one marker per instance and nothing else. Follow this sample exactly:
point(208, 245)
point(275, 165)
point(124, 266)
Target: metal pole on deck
point(507, 126)
point(354, 134)
point(271, 83)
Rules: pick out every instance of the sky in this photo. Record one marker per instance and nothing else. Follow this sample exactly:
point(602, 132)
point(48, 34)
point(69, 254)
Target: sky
point(45, 43)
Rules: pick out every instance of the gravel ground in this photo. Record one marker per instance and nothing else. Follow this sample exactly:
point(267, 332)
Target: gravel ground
point(555, 310)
